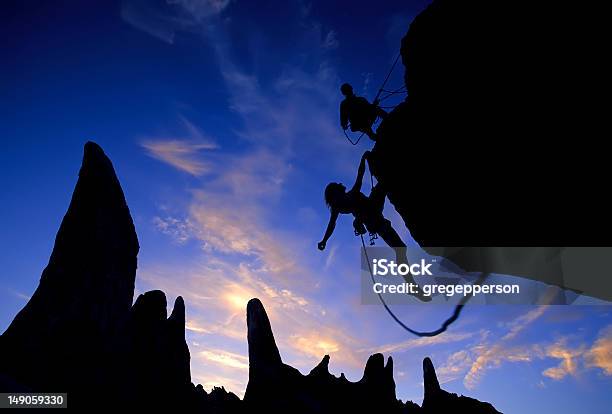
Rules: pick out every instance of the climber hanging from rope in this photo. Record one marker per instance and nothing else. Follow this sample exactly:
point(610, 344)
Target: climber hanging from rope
point(357, 113)
point(368, 213)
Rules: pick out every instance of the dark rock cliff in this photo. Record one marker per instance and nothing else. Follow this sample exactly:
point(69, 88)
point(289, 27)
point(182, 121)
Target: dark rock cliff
point(277, 387)
point(498, 141)
point(436, 400)
point(80, 333)
point(85, 292)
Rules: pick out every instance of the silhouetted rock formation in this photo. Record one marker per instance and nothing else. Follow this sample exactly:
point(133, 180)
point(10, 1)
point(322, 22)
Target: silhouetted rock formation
point(85, 292)
point(436, 400)
point(476, 155)
point(79, 333)
point(276, 387)
point(158, 353)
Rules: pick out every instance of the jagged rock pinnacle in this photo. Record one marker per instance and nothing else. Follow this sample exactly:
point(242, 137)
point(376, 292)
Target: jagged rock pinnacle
point(374, 369)
point(178, 351)
point(430, 380)
point(322, 368)
point(177, 317)
point(262, 346)
point(389, 367)
point(151, 306)
point(86, 290)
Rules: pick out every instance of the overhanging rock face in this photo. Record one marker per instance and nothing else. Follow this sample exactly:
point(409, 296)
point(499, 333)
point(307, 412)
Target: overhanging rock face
point(492, 88)
point(473, 156)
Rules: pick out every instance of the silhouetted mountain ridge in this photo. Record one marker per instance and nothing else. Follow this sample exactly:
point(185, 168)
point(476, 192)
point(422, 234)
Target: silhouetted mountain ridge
point(78, 335)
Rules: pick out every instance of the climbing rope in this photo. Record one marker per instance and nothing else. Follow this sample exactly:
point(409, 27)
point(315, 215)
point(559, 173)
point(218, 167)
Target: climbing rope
point(380, 90)
point(351, 141)
point(445, 324)
point(389, 93)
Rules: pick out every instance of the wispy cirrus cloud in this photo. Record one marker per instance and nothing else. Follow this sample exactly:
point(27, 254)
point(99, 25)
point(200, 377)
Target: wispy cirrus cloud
point(455, 366)
point(148, 19)
point(569, 360)
point(444, 338)
point(162, 20)
point(182, 153)
point(225, 358)
point(19, 295)
point(492, 356)
point(472, 363)
point(179, 154)
point(201, 9)
point(180, 230)
point(331, 40)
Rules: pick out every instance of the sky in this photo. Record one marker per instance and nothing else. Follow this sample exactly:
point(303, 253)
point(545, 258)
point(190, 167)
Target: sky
point(221, 119)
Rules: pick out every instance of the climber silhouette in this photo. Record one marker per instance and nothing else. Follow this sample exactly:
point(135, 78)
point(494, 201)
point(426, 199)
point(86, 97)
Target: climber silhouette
point(368, 213)
point(358, 113)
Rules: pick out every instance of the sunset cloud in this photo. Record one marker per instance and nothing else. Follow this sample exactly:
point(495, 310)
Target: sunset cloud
point(314, 344)
point(476, 359)
point(179, 154)
point(444, 338)
point(182, 153)
point(569, 360)
point(600, 354)
point(226, 359)
point(488, 356)
point(455, 366)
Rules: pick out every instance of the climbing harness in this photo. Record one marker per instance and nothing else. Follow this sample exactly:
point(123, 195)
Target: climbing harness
point(373, 236)
point(445, 324)
point(378, 99)
point(360, 229)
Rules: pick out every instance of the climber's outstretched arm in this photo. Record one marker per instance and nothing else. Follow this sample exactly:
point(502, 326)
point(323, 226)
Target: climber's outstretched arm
point(360, 172)
point(330, 229)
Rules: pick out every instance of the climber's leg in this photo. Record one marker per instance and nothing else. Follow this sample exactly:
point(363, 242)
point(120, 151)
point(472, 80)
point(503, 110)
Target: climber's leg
point(377, 199)
point(370, 133)
point(386, 232)
point(373, 163)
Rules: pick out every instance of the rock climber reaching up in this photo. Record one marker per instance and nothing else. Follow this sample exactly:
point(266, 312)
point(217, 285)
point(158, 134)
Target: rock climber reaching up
point(368, 213)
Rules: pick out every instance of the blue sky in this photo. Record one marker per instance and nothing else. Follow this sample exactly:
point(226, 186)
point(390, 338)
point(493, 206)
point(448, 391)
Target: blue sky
point(221, 118)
